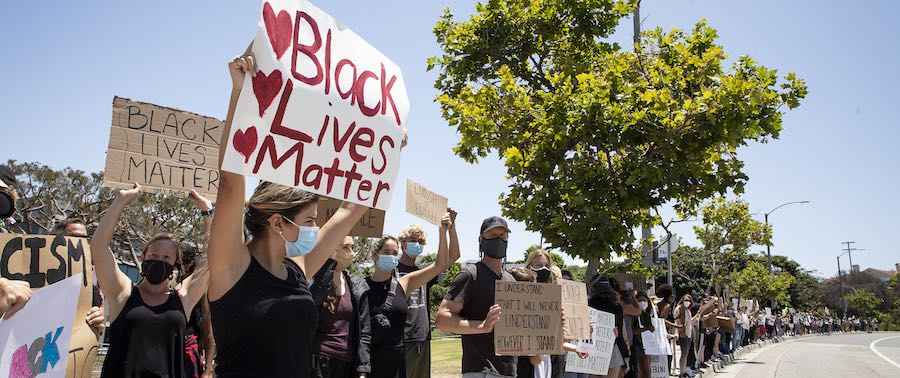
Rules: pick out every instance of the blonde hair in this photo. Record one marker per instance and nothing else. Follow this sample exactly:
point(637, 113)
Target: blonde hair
point(408, 231)
point(555, 273)
point(269, 199)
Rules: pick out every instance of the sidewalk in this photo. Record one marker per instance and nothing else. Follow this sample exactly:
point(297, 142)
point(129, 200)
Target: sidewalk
point(746, 353)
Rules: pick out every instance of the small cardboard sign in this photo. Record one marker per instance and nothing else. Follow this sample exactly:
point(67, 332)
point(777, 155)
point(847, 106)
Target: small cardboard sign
point(630, 281)
point(371, 225)
point(578, 320)
point(163, 149)
point(531, 319)
point(45, 323)
point(599, 347)
point(424, 203)
point(44, 260)
point(325, 111)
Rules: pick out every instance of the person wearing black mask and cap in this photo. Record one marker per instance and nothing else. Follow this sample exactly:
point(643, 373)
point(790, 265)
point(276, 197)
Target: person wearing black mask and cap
point(468, 308)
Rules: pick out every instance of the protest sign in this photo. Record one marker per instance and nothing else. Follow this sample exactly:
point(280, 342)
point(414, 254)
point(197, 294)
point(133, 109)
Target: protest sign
point(371, 225)
point(598, 348)
point(325, 111)
point(659, 367)
point(630, 281)
point(424, 203)
point(35, 341)
point(578, 320)
point(768, 311)
point(163, 149)
point(531, 319)
point(44, 260)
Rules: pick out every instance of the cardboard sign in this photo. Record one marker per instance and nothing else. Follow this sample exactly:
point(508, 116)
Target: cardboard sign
point(630, 281)
point(578, 319)
point(659, 367)
point(371, 225)
point(424, 203)
point(325, 111)
point(35, 340)
point(531, 319)
point(43, 260)
point(163, 149)
point(599, 347)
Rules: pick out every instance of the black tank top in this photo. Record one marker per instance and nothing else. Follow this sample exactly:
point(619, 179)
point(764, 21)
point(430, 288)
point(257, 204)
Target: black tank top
point(264, 326)
point(146, 341)
point(386, 350)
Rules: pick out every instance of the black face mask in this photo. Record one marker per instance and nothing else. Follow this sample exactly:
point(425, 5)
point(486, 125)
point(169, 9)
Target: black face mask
point(543, 274)
point(156, 271)
point(495, 247)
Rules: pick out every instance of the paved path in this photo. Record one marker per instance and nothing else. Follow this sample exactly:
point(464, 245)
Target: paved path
point(838, 355)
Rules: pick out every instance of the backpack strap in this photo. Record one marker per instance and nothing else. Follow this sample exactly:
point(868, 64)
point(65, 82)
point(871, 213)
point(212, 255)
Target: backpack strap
point(389, 301)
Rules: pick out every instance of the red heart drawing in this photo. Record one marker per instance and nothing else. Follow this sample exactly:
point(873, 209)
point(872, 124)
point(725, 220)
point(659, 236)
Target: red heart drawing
point(266, 88)
point(245, 142)
point(278, 28)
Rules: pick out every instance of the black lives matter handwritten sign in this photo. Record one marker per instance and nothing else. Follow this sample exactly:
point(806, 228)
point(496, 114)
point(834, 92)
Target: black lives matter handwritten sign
point(325, 111)
point(163, 149)
point(43, 260)
point(531, 319)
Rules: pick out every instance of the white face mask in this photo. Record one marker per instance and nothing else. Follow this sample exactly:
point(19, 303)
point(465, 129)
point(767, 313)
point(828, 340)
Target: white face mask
point(687, 303)
point(642, 305)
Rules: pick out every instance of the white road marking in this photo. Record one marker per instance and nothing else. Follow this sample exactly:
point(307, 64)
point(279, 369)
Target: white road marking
point(883, 357)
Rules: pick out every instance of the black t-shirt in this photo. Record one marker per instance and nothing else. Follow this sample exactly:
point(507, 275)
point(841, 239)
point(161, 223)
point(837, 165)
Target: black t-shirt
point(264, 326)
point(476, 294)
point(418, 320)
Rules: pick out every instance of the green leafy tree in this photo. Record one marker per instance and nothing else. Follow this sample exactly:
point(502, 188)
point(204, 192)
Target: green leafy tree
point(756, 282)
point(592, 135)
point(727, 233)
point(862, 302)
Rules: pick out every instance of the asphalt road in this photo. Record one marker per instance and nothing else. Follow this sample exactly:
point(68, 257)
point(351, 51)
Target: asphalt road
point(838, 355)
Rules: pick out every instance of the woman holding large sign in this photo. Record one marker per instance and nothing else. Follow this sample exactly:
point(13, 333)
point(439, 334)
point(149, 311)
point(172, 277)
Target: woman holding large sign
point(147, 320)
point(264, 317)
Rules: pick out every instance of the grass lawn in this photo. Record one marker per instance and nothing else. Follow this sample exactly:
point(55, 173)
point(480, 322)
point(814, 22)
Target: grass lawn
point(446, 357)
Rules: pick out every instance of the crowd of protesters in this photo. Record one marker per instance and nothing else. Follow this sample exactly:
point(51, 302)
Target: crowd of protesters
point(283, 304)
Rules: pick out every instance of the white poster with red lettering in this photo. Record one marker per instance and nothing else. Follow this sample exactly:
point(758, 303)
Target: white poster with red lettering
point(325, 111)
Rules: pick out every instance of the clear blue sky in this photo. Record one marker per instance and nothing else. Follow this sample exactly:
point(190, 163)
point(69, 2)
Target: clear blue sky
point(64, 61)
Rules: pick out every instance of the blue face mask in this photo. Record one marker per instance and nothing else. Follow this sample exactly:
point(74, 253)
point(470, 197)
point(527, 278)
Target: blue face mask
point(306, 240)
point(387, 263)
point(413, 249)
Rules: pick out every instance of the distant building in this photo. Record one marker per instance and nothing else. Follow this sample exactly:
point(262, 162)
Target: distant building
point(883, 275)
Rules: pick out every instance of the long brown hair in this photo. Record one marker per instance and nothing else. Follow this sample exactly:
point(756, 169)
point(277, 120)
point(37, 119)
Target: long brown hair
point(269, 199)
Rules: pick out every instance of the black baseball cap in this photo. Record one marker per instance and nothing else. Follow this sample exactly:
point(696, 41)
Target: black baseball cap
point(493, 222)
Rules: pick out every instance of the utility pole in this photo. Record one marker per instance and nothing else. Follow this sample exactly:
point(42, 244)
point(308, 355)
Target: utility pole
point(637, 25)
point(848, 251)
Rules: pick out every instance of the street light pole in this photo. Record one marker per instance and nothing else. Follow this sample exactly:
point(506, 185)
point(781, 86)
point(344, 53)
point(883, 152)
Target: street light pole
point(769, 243)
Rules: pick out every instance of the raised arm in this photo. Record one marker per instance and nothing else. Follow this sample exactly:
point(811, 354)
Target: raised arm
point(419, 278)
point(114, 284)
point(454, 240)
point(194, 286)
point(227, 254)
point(331, 236)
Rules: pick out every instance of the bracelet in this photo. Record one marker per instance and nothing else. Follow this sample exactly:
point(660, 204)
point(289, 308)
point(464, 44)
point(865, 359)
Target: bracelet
point(209, 212)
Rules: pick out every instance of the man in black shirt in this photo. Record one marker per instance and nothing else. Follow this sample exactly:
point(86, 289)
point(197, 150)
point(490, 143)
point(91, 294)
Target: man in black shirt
point(417, 336)
point(468, 308)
